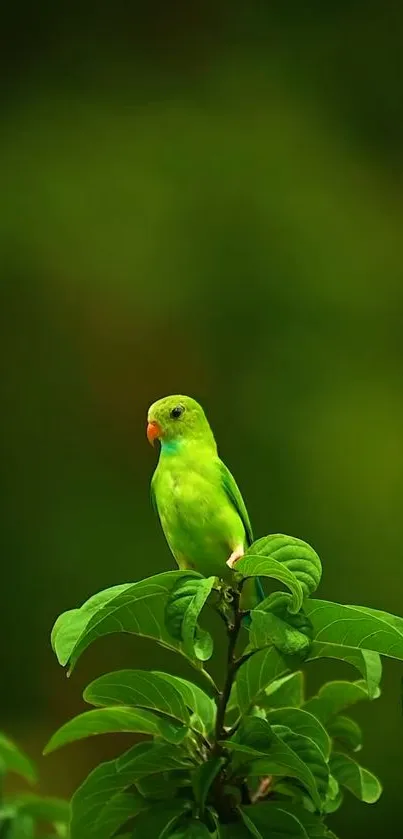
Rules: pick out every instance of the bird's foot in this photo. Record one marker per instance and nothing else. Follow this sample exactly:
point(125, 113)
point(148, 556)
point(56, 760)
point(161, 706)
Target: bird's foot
point(236, 554)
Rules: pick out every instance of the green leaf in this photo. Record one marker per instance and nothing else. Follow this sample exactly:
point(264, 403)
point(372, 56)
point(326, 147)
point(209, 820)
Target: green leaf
point(275, 757)
point(235, 831)
point(46, 809)
point(100, 806)
point(287, 691)
point(331, 806)
point(255, 674)
point(334, 798)
point(95, 805)
point(193, 829)
point(14, 760)
point(195, 699)
point(8, 810)
point(22, 827)
point(346, 731)
point(105, 721)
point(254, 732)
point(362, 783)
point(157, 822)
point(183, 608)
point(368, 663)
point(257, 711)
point(261, 566)
point(258, 734)
point(335, 697)
point(71, 625)
point(197, 830)
point(203, 777)
point(356, 626)
point(120, 809)
point(309, 752)
point(138, 608)
point(269, 629)
point(138, 688)
point(299, 557)
point(292, 790)
point(272, 820)
point(232, 704)
point(164, 785)
point(152, 758)
point(302, 722)
point(311, 822)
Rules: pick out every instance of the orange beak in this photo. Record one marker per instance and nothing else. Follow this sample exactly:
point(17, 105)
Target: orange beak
point(153, 432)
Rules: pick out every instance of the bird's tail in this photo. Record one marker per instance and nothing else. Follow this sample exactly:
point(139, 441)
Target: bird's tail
point(252, 594)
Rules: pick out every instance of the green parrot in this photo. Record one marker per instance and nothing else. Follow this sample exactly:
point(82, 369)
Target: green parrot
point(200, 507)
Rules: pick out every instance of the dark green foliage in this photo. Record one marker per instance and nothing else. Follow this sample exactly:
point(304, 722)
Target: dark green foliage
point(182, 613)
point(139, 608)
point(295, 555)
point(255, 757)
point(23, 815)
point(288, 633)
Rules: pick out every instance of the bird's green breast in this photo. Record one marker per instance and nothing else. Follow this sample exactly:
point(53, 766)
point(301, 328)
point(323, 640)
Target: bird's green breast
point(200, 523)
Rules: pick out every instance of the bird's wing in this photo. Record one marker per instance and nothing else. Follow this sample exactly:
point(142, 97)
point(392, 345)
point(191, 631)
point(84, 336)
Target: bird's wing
point(234, 495)
point(153, 496)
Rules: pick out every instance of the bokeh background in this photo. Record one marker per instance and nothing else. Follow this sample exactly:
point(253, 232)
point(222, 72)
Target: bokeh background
point(202, 198)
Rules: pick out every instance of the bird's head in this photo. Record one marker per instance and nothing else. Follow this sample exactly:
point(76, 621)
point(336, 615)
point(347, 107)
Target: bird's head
point(176, 418)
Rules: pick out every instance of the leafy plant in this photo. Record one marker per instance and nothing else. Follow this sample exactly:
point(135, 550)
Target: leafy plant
point(26, 815)
point(252, 757)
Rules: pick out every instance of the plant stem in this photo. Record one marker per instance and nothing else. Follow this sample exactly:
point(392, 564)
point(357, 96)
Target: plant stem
point(224, 801)
point(232, 666)
point(245, 794)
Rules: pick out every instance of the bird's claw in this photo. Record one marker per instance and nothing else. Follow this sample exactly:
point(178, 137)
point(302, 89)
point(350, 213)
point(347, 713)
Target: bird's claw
point(236, 554)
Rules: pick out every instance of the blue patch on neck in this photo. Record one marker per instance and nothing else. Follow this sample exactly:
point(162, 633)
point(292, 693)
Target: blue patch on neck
point(170, 446)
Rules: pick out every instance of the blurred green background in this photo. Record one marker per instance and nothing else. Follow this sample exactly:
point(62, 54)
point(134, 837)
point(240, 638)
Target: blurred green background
point(200, 198)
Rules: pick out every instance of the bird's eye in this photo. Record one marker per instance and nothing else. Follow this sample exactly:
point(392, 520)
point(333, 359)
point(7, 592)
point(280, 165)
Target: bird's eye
point(177, 412)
